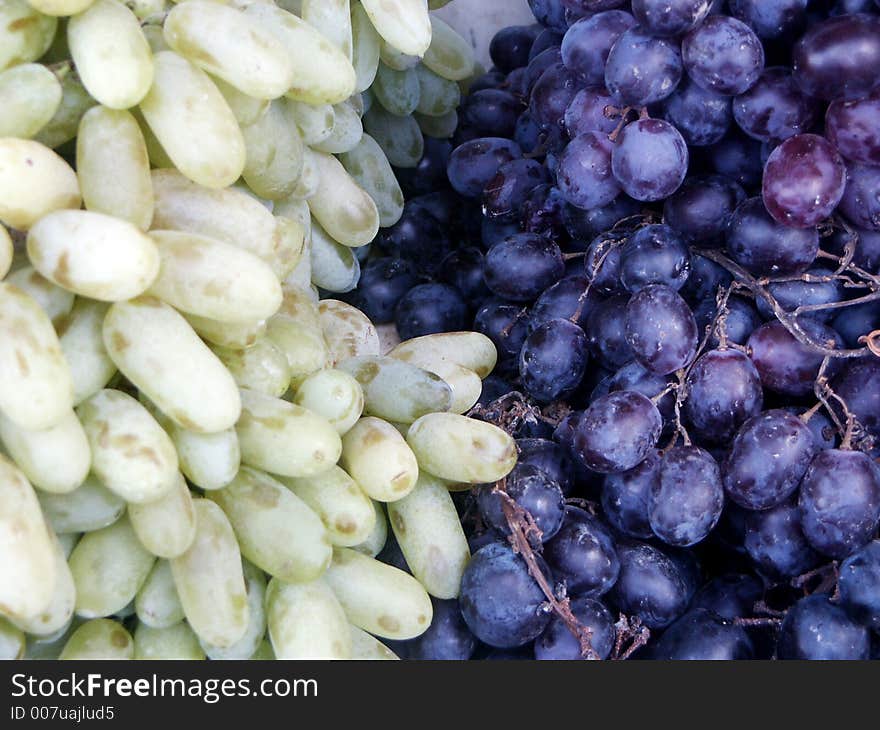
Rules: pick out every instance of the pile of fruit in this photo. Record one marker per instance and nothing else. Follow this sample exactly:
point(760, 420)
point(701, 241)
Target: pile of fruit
point(630, 402)
point(666, 216)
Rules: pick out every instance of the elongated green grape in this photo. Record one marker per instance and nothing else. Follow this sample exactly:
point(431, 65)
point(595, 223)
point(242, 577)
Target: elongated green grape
point(246, 109)
point(274, 153)
point(87, 508)
point(228, 215)
point(111, 54)
point(333, 394)
point(82, 343)
point(296, 331)
point(109, 566)
point(25, 33)
point(174, 642)
point(214, 279)
point(93, 254)
point(462, 449)
point(397, 91)
point(335, 497)
point(193, 122)
point(373, 545)
point(283, 438)
point(262, 368)
point(34, 181)
point(344, 210)
point(209, 460)
point(370, 168)
point(35, 390)
point(438, 96)
point(348, 331)
point(346, 133)
point(59, 612)
point(365, 646)
point(30, 95)
point(99, 639)
point(143, 9)
point(399, 137)
point(314, 121)
point(442, 127)
point(249, 643)
point(55, 459)
point(198, 393)
point(397, 391)
point(227, 334)
point(396, 59)
point(28, 571)
point(377, 597)
point(306, 621)
point(113, 166)
point(167, 526)
point(404, 24)
point(75, 102)
point(210, 581)
point(157, 603)
point(376, 456)
point(335, 267)
point(276, 530)
point(323, 73)
point(449, 55)
point(470, 350)
point(7, 252)
point(332, 18)
point(365, 51)
point(429, 533)
point(233, 46)
point(55, 301)
point(131, 454)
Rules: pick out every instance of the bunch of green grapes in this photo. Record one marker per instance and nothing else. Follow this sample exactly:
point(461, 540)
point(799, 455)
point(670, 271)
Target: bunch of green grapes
point(200, 457)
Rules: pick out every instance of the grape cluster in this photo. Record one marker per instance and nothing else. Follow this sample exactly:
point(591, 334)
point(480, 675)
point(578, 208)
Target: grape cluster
point(666, 216)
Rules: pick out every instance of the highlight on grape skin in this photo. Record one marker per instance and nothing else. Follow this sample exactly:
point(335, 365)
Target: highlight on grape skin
point(330, 331)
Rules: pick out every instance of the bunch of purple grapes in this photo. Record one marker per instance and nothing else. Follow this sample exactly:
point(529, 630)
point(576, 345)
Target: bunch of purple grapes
point(666, 216)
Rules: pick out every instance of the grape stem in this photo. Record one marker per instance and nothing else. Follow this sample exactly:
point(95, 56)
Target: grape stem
point(632, 630)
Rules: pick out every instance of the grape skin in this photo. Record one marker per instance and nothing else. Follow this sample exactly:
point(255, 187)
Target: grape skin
point(861, 199)
point(642, 69)
point(840, 637)
point(650, 159)
point(775, 109)
point(776, 544)
point(724, 55)
point(588, 42)
point(661, 329)
point(853, 127)
point(584, 174)
point(702, 635)
point(582, 555)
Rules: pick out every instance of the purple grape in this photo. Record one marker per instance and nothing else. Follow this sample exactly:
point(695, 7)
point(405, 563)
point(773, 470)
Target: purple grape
point(642, 69)
point(687, 499)
point(861, 199)
point(701, 208)
point(626, 497)
point(738, 158)
point(606, 332)
point(741, 320)
point(522, 266)
point(507, 191)
point(543, 212)
point(507, 326)
point(587, 224)
point(859, 386)
point(703, 635)
point(840, 501)
point(550, 458)
point(767, 248)
point(786, 365)
point(551, 96)
point(553, 360)
point(586, 113)
point(491, 112)
point(770, 18)
point(447, 638)
point(723, 391)
point(839, 57)
point(859, 584)
point(730, 596)
point(488, 80)
point(549, 13)
point(582, 555)
point(463, 269)
point(473, 164)
point(723, 54)
point(651, 585)
point(592, 6)
point(500, 601)
point(804, 180)
point(587, 43)
point(798, 293)
point(602, 264)
point(660, 329)
point(853, 127)
point(616, 432)
point(584, 174)
point(510, 47)
point(566, 299)
point(776, 544)
point(650, 159)
point(670, 18)
point(774, 109)
point(528, 134)
point(429, 309)
point(384, 281)
point(702, 117)
point(559, 644)
point(768, 459)
point(814, 628)
point(538, 65)
point(654, 254)
point(531, 489)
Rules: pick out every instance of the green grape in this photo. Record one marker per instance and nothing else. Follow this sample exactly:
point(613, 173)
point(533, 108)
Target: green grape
point(30, 95)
